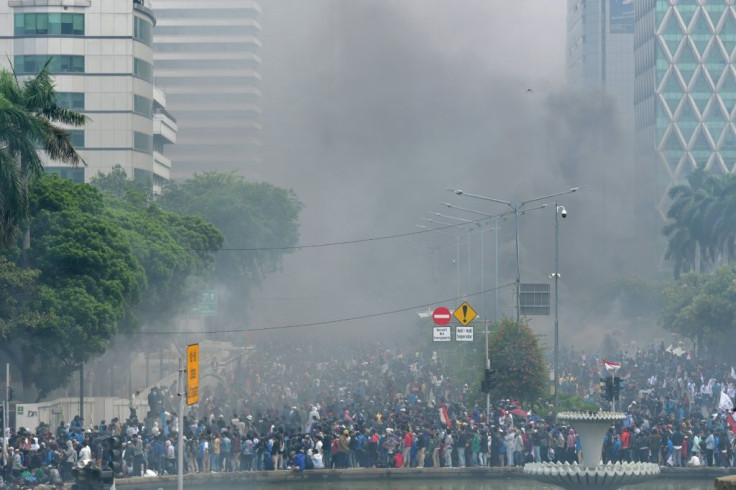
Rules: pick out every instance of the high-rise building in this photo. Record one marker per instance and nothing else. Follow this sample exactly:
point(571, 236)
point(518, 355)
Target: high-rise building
point(685, 90)
point(207, 59)
point(102, 59)
point(600, 55)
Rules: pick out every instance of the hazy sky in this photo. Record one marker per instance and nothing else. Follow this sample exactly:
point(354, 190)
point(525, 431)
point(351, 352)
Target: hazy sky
point(373, 107)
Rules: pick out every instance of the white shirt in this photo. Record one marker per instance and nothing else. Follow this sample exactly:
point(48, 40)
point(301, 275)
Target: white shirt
point(85, 454)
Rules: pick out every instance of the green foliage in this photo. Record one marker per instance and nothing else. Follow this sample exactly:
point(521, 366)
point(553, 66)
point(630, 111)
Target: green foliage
point(99, 264)
point(639, 297)
point(258, 221)
point(703, 308)
point(175, 251)
point(19, 299)
point(89, 275)
point(702, 228)
point(517, 357)
point(29, 118)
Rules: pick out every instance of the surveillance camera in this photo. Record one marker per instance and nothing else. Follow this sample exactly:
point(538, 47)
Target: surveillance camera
point(563, 213)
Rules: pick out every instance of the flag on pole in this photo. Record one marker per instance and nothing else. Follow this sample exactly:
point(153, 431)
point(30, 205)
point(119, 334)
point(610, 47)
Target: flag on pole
point(731, 419)
point(611, 366)
point(444, 417)
point(725, 404)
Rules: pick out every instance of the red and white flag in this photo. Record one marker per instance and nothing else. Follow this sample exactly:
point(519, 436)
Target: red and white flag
point(732, 422)
point(444, 417)
point(611, 366)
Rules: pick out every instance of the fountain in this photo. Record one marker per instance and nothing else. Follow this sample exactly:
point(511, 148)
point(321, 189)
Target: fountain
point(591, 428)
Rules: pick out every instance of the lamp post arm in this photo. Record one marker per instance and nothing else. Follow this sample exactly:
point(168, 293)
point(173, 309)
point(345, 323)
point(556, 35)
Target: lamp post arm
point(569, 191)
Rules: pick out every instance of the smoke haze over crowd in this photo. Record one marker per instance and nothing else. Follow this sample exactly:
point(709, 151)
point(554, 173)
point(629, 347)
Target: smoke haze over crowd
point(373, 108)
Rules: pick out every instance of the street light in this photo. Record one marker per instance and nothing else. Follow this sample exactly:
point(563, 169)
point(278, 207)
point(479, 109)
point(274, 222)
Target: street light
point(464, 220)
point(482, 284)
point(559, 211)
point(516, 207)
point(457, 253)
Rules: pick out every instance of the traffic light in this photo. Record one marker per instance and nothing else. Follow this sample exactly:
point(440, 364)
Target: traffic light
point(488, 382)
point(616, 387)
point(607, 388)
point(10, 393)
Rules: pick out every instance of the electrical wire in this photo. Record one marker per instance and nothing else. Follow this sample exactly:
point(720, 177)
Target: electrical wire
point(352, 242)
point(325, 322)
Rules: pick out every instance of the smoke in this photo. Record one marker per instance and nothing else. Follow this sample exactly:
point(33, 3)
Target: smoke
point(373, 108)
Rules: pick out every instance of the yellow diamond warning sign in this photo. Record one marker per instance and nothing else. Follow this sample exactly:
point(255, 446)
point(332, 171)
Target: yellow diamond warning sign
point(465, 314)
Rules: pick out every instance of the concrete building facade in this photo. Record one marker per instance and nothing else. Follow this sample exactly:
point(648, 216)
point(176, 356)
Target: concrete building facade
point(102, 58)
point(685, 90)
point(207, 58)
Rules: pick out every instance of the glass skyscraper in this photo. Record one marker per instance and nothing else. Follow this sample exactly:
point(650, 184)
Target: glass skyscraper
point(685, 89)
point(600, 53)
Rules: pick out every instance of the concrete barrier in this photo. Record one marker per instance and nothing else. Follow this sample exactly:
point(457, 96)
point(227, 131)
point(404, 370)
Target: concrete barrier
point(725, 475)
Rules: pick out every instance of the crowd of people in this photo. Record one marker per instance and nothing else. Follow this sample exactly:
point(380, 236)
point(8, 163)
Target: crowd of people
point(304, 408)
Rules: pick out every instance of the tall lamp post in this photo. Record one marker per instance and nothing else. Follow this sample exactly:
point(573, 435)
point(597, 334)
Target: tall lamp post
point(516, 208)
point(559, 211)
point(470, 229)
point(457, 254)
point(495, 230)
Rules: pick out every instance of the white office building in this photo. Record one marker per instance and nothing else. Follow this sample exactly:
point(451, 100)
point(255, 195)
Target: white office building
point(102, 58)
point(207, 58)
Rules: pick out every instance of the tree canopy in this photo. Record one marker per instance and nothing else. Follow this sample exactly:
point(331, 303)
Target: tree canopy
point(703, 308)
point(516, 355)
point(30, 122)
point(97, 266)
point(176, 251)
point(258, 220)
point(701, 231)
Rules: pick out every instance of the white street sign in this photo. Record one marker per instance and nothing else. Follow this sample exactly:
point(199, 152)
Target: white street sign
point(464, 334)
point(441, 334)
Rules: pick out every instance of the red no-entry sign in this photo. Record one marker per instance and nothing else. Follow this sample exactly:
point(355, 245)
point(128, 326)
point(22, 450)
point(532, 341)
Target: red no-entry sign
point(441, 316)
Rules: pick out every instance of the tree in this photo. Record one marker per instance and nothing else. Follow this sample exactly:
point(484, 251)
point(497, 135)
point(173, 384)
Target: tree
point(703, 308)
point(177, 252)
point(258, 220)
point(517, 357)
point(20, 294)
point(89, 278)
point(702, 228)
point(30, 123)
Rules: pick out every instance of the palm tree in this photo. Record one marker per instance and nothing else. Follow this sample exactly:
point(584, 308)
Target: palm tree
point(703, 222)
point(29, 123)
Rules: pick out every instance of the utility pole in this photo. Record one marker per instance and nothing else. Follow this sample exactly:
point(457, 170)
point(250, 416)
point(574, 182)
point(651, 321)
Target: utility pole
point(180, 432)
point(6, 406)
point(81, 393)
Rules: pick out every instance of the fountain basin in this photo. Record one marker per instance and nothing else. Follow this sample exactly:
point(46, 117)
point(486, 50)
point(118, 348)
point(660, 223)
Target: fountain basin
point(605, 477)
point(591, 428)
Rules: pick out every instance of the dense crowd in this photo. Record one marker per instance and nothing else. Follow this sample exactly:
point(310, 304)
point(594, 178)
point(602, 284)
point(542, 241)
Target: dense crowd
point(308, 408)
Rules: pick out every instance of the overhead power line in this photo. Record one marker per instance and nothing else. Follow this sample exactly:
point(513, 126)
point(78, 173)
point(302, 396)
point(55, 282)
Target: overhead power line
point(325, 322)
point(351, 242)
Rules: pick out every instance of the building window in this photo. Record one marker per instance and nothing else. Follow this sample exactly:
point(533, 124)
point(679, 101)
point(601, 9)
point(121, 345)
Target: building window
point(142, 30)
point(143, 69)
point(70, 100)
point(142, 105)
point(62, 63)
point(49, 24)
point(77, 137)
point(142, 141)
